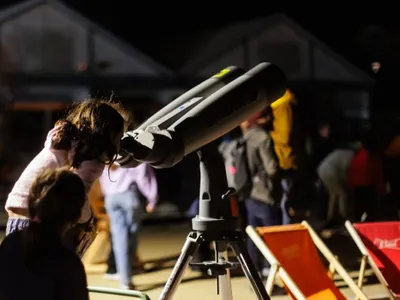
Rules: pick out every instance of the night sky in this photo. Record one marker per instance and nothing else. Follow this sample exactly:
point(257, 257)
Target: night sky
point(148, 25)
point(146, 22)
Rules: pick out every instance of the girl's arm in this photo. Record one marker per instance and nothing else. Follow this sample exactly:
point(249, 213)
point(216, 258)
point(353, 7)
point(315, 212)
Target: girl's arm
point(17, 201)
point(147, 184)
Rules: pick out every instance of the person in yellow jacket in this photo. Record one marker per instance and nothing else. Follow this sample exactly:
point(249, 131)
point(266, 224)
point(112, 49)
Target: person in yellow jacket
point(289, 137)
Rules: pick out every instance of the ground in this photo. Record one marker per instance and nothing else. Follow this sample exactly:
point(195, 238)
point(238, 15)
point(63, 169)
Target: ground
point(160, 246)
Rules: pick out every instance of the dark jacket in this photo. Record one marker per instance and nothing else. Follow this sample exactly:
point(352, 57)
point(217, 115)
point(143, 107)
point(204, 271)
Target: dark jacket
point(57, 274)
point(263, 165)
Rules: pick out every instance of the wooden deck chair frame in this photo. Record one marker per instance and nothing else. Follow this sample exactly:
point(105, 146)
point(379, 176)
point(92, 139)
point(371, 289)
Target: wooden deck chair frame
point(96, 255)
point(276, 269)
point(366, 258)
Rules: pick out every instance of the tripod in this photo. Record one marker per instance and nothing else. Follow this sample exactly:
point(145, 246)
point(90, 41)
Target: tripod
point(216, 224)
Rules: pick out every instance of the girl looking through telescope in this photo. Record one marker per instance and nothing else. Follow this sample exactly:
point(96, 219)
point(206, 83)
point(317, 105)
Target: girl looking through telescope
point(86, 140)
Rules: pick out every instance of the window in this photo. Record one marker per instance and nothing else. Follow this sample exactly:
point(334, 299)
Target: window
point(46, 51)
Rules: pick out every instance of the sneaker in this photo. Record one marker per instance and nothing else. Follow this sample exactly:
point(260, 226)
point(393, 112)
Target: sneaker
point(127, 287)
point(111, 276)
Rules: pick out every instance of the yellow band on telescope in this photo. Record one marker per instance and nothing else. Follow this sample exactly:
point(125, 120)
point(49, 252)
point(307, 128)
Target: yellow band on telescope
point(222, 73)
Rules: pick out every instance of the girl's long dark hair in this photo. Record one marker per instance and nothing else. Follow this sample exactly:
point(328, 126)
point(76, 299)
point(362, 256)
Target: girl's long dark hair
point(55, 201)
point(93, 124)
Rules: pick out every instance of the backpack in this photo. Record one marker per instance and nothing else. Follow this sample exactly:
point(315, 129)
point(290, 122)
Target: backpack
point(238, 169)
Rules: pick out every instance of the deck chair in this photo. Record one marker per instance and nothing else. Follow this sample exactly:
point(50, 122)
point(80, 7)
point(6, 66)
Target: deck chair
point(97, 254)
point(292, 252)
point(379, 244)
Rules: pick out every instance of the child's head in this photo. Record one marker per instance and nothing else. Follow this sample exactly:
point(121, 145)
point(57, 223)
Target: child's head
point(56, 199)
point(97, 127)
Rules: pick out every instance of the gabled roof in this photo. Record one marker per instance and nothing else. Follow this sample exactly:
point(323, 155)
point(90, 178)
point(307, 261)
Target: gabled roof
point(225, 39)
point(14, 11)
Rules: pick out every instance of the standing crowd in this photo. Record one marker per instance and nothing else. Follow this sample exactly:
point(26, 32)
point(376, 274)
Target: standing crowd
point(292, 176)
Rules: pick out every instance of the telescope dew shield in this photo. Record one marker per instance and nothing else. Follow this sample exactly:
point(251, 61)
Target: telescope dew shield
point(203, 89)
point(230, 106)
point(164, 142)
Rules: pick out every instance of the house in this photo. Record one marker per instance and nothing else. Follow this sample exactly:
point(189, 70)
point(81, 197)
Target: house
point(51, 55)
point(46, 42)
point(305, 60)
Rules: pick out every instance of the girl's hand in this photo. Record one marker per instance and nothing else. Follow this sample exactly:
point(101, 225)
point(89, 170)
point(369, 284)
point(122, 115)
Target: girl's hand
point(150, 208)
point(52, 136)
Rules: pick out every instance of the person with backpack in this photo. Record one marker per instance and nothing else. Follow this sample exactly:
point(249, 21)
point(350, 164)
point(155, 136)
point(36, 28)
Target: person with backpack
point(231, 145)
point(257, 178)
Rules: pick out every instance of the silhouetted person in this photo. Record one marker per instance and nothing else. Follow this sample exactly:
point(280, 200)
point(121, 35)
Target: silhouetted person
point(34, 262)
point(322, 145)
point(365, 179)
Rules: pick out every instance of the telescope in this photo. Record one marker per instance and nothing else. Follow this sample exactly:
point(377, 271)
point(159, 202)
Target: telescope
point(189, 124)
point(202, 115)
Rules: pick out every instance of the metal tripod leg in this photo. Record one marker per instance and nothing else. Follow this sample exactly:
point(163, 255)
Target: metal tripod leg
point(224, 281)
point(239, 248)
point(189, 249)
